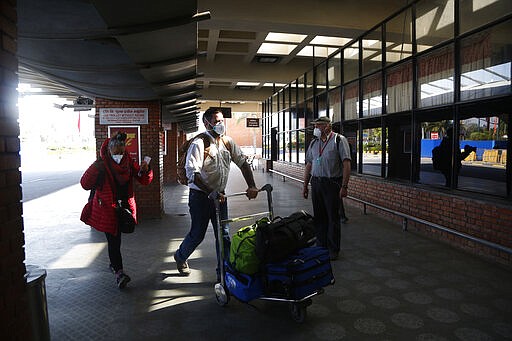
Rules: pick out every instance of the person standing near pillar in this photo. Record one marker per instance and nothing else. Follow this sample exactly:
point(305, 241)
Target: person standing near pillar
point(328, 167)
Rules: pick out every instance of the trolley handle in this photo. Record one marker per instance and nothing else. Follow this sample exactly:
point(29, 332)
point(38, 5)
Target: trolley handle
point(267, 187)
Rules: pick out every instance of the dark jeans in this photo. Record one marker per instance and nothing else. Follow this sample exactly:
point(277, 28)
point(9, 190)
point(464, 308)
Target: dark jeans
point(202, 211)
point(326, 208)
point(114, 250)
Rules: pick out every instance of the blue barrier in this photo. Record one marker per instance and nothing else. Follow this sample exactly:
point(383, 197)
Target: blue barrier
point(427, 145)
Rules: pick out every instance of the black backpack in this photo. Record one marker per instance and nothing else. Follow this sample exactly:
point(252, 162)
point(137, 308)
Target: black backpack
point(284, 236)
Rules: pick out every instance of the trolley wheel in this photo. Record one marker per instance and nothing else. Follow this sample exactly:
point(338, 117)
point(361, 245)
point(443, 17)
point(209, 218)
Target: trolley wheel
point(221, 294)
point(298, 312)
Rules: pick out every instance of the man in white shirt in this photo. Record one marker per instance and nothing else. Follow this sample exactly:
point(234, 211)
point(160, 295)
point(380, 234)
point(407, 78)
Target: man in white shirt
point(207, 174)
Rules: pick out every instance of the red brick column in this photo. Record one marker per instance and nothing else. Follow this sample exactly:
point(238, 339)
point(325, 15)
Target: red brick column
point(14, 311)
point(171, 158)
point(149, 198)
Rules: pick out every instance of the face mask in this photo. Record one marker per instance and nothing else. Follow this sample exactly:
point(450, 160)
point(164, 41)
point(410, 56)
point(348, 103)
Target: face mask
point(317, 132)
point(219, 128)
point(117, 158)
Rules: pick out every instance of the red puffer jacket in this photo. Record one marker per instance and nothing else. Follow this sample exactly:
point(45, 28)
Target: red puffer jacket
point(102, 214)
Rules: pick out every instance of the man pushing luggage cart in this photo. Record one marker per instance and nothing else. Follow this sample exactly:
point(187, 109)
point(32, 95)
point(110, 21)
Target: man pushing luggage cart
point(294, 278)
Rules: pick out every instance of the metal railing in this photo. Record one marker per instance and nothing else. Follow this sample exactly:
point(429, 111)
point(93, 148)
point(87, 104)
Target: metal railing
point(407, 217)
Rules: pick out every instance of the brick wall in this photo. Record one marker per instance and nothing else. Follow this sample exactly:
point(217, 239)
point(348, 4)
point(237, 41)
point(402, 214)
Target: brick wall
point(149, 198)
point(488, 220)
point(175, 138)
point(14, 311)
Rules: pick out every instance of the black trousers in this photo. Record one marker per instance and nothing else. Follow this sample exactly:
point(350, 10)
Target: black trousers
point(114, 251)
point(326, 208)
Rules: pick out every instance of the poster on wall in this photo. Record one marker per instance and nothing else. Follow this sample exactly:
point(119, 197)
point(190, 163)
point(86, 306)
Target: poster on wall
point(132, 139)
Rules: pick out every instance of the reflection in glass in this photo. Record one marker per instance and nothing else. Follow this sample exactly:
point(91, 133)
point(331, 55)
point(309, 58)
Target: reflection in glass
point(335, 105)
point(435, 78)
point(372, 95)
point(485, 63)
point(308, 91)
point(293, 147)
point(333, 71)
point(372, 51)
point(351, 101)
point(476, 13)
point(372, 148)
point(434, 22)
point(321, 79)
point(399, 88)
point(302, 147)
point(399, 37)
point(351, 62)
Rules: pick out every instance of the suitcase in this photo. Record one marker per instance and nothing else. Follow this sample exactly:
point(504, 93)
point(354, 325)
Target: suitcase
point(301, 274)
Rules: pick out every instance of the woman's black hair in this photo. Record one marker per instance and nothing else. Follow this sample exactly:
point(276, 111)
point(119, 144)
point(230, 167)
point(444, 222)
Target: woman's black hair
point(117, 140)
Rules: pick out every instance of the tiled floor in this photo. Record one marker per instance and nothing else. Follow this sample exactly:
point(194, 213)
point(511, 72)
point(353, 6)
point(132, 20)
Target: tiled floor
point(390, 285)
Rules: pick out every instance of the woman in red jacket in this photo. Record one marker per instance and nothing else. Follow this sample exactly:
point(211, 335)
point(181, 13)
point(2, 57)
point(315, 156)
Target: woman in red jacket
point(112, 176)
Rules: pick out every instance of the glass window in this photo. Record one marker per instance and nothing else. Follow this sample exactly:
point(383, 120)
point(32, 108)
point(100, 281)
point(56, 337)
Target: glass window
point(351, 100)
point(350, 131)
point(372, 95)
point(434, 22)
point(300, 89)
point(281, 149)
point(399, 88)
point(308, 91)
point(372, 148)
point(483, 153)
point(335, 104)
point(435, 78)
point(275, 103)
point(293, 94)
point(284, 97)
point(372, 51)
point(485, 63)
point(310, 111)
point(293, 147)
point(301, 112)
point(302, 146)
point(351, 62)
point(476, 13)
point(399, 37)
point(333, 71)
point(321, 79)
point(322, 105)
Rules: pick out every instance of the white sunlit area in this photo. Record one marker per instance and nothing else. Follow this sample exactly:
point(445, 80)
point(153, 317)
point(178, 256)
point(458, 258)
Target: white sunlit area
point(53, 135)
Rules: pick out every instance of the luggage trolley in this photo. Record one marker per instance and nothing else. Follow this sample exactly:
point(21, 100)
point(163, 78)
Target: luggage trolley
point(297, 306)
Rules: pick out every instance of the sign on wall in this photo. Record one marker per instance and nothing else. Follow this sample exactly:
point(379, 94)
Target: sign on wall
point(132, 139)
point(252, 122)
point(123, 115)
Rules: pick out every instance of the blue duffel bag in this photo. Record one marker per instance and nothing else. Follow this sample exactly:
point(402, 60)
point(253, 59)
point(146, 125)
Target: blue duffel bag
point(244, 287)
point(299, 275)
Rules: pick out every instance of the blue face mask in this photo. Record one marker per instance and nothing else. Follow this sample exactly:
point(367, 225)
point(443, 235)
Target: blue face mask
point(117, 158)
point(219, 128)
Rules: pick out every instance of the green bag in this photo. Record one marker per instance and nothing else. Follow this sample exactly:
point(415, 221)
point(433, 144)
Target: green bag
point(242, 255)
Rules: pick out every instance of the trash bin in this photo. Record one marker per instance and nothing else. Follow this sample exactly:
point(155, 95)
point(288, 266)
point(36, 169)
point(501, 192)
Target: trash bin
point(36, 290)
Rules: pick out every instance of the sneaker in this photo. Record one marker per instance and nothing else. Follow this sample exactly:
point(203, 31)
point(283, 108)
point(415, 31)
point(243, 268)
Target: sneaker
point(182, 266)
point(122, 279)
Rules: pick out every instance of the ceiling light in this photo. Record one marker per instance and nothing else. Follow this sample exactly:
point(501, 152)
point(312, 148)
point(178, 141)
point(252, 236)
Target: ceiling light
point(279, 49)
point(278, 85)
point(333, 41)
point(247, 83)
point(285, 37)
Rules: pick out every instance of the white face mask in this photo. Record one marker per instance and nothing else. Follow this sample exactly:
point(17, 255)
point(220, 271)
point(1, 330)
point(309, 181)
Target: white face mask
point(117, 158)
point(219, 128)
point(317, 132)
